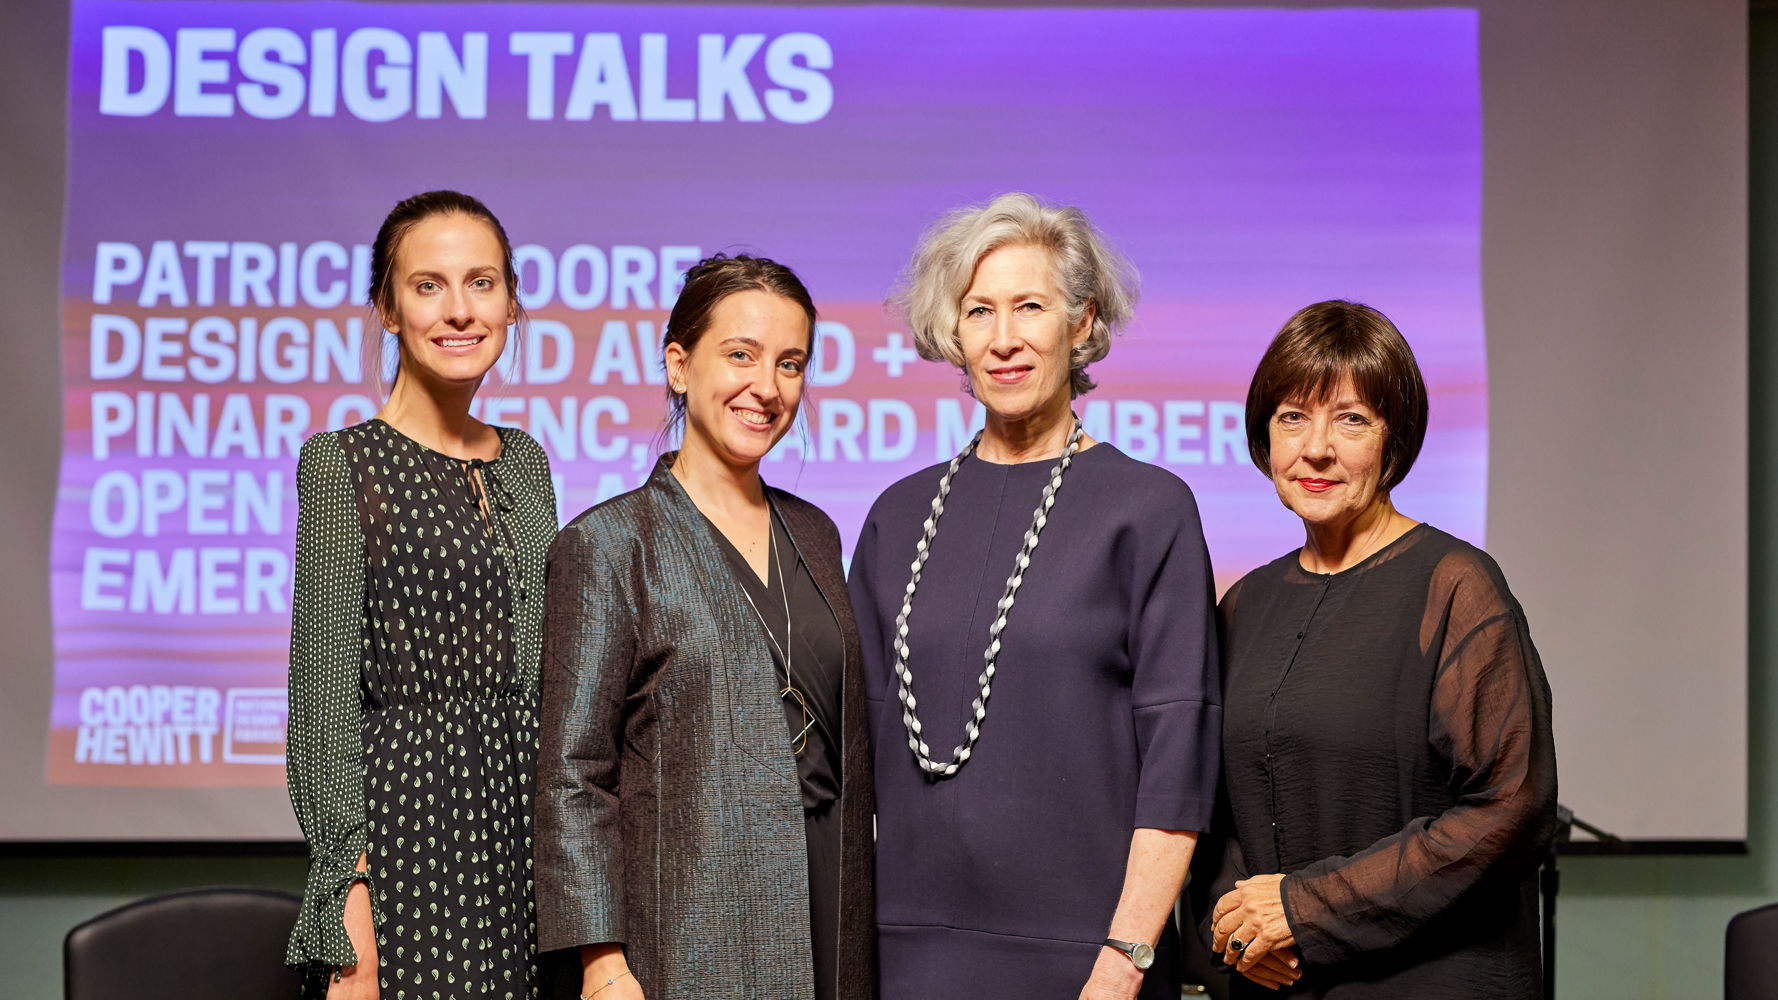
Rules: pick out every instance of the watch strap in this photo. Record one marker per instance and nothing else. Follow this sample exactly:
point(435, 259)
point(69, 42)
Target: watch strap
point(1130, 950)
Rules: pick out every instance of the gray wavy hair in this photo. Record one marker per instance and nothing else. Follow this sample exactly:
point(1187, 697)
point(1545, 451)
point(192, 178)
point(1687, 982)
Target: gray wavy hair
point(1087, 270)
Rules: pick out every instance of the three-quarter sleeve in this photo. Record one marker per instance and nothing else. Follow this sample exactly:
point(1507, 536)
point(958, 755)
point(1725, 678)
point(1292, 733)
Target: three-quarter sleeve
point(324, 748)
point(1176, 689)
point(1490, 719)
point(589, 650)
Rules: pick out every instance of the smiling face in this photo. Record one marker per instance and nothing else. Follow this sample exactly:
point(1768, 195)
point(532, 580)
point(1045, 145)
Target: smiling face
point(452, 303)
point(1014, 331)
point(1327, 456)
point(743, 379)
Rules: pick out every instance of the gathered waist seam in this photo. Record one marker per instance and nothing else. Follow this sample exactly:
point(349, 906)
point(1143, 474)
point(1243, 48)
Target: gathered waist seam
point(448, 703)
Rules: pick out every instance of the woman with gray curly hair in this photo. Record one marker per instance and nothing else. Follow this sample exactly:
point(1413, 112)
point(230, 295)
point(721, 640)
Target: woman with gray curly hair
point(1042, 855)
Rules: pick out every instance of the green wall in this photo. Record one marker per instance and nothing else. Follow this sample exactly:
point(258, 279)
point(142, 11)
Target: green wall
point(1630, 928)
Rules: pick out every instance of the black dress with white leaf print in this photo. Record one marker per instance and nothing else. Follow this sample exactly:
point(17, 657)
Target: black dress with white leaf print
point(414, 706)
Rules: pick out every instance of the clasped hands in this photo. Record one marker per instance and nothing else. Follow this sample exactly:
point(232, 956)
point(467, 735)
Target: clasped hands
point(1253, 914)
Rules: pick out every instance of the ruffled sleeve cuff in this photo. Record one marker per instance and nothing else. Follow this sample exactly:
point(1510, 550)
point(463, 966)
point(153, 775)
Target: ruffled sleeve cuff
point(320, 937)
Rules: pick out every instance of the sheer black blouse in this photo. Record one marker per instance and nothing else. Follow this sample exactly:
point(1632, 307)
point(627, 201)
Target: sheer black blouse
point(1387, 745)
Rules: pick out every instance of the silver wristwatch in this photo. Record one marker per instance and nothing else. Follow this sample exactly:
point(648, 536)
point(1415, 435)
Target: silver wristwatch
point(1141, 955)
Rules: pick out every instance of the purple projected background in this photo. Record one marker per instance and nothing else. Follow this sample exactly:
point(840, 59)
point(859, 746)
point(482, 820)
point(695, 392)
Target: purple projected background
point(228, 166)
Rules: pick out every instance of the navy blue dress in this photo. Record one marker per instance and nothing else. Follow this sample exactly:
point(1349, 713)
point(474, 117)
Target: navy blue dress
point(1105, 716)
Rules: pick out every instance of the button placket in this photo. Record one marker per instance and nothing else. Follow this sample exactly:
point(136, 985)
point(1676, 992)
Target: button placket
point(1271, 713)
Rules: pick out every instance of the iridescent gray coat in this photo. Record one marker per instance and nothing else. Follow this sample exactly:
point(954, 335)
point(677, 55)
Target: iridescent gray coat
point(669, 816)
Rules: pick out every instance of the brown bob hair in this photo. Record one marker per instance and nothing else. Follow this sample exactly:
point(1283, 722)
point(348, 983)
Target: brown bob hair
point(707, 283)
point(1321, 346)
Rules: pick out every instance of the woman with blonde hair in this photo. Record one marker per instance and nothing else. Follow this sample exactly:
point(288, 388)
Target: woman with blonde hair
point(1041, 856)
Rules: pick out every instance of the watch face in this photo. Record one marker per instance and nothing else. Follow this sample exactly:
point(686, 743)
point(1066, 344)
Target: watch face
point(1142, 956)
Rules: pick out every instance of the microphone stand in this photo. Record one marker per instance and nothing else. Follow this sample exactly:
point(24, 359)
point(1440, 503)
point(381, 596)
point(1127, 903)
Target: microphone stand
point(1550, 882)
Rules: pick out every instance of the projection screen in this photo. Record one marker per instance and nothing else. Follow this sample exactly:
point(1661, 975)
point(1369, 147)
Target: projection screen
point(228, 164)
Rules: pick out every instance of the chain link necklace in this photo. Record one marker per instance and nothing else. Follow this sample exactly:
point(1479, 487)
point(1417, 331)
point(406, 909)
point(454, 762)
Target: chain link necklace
point(973, 728)
point(800, 740)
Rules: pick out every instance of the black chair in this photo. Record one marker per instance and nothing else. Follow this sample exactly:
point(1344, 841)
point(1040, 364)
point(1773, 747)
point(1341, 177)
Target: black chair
point(217, 943)
point(1751, 971)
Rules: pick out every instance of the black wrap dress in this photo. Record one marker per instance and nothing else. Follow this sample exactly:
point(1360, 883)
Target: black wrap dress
point(414, 706)
point(1387, 746)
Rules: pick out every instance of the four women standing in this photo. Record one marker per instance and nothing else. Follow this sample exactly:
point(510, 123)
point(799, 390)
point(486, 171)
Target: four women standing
point(701, 762)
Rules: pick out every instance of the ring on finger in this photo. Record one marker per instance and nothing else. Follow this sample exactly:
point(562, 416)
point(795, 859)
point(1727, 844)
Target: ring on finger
point(1237, 944)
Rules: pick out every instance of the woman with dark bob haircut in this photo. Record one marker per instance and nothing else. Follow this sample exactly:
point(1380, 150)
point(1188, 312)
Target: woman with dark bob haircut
point(1389, 773)
point(704, 795)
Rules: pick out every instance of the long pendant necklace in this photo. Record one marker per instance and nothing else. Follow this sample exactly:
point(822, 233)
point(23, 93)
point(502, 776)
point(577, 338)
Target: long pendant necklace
point(972, 728)
point(801, 739)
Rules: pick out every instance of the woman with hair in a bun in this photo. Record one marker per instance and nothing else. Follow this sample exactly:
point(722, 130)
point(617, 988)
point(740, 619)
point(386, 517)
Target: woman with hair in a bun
point(704, 796)
point(420, 543)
